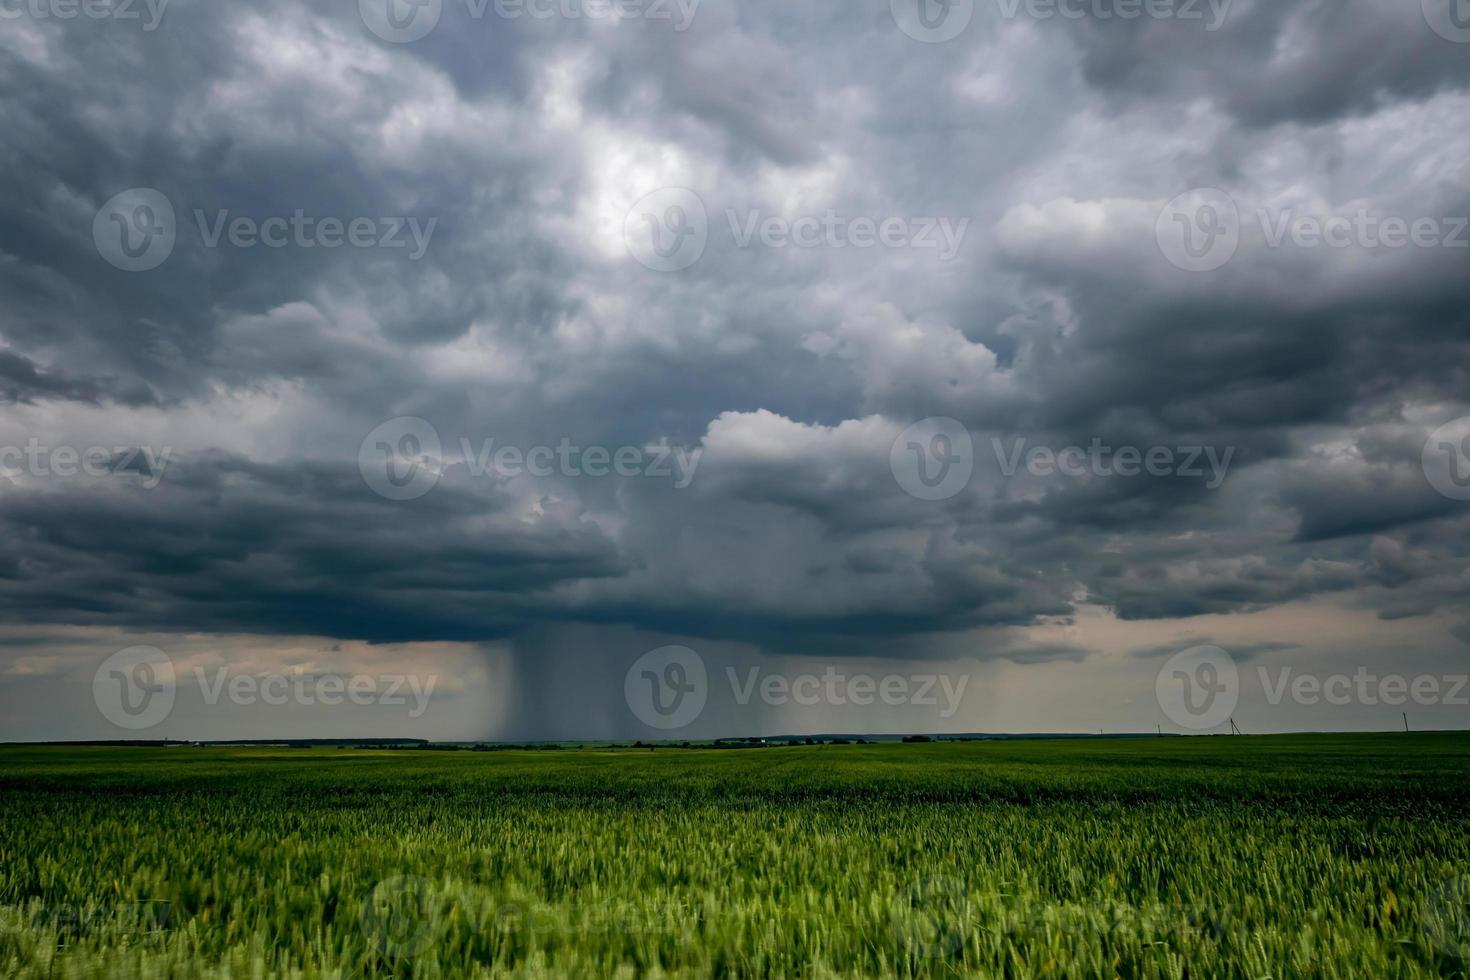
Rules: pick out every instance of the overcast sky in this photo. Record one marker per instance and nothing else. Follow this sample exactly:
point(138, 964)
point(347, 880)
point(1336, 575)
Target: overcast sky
point(981, 361)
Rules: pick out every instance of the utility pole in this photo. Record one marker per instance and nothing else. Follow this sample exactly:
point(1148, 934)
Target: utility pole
point(1406, 722)
point(1234, 728)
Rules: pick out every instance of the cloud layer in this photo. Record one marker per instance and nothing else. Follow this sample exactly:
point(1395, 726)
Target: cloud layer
point(816, 148)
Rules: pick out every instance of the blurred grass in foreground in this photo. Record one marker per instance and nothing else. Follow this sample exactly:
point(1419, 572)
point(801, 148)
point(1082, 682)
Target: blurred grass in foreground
point(1335, 856)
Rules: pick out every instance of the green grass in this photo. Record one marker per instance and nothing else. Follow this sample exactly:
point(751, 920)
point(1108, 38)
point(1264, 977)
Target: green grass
point(1214, 857)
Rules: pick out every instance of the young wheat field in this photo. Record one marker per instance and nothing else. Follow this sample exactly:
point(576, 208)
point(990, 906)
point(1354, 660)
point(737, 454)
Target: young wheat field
point(1303, 856)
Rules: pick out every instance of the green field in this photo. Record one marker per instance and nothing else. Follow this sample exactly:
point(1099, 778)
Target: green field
point(1278, 857)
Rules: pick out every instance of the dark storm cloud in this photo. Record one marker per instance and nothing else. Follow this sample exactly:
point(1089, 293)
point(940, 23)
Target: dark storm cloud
point(22, 381)
point(213, 117)
point(1272, 63)
point(1318, 374)
point(224, 544)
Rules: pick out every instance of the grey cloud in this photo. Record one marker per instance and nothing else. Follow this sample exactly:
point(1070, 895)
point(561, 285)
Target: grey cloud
point(1240, 651)
point(526, 320)
point(1275, 63)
